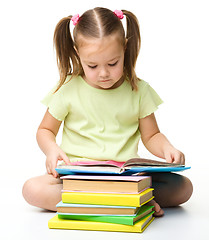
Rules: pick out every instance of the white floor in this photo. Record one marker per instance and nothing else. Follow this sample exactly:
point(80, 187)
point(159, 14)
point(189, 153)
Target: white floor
point(190, 221)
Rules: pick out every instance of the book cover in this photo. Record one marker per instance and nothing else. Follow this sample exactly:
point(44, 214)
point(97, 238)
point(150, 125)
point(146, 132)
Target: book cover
point(127, 220)
point(138, 227)
point(106, 184)
point(96, 210)
point(133, 200)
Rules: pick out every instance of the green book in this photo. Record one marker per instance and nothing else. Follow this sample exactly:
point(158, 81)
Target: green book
point(144, 211)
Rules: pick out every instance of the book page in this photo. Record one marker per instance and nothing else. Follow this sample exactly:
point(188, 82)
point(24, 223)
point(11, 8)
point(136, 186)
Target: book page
point(134, 162)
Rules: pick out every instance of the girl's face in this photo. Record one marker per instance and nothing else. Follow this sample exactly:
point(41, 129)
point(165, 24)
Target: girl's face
point(102, 61)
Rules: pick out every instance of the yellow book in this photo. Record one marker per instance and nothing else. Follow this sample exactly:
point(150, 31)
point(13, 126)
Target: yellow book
point(138, 227)
point(133, 200)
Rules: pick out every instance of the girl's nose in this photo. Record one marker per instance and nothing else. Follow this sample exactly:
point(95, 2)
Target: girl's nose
point(104, 73)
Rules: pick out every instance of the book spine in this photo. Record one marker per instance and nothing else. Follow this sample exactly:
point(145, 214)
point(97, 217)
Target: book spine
point(132, 200)
point(101, 199)
point(104, 192)
point(110, 219)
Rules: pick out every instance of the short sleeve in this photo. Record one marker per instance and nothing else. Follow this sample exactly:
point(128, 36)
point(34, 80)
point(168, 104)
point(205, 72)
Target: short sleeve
point(56, 104)
point(149, 101)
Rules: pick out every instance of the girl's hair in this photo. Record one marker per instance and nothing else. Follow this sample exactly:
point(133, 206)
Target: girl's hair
point(96, 23)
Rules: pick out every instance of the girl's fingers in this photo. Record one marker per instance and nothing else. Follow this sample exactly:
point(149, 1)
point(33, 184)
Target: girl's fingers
point(65, 158)
point(168, 158)
point(179, 158)
point(50, 167)
point(51, 162)
point(48, 170)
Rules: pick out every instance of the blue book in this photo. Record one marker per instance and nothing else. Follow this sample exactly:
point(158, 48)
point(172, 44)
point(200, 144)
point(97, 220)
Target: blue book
point(130, 167)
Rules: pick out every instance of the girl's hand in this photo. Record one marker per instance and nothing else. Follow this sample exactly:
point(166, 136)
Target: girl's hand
point(56, 154)
point(172, 155)
point(46, 137)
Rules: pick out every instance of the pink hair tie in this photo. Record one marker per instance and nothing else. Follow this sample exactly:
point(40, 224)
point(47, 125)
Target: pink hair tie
point(119, 14)
point(75, 19)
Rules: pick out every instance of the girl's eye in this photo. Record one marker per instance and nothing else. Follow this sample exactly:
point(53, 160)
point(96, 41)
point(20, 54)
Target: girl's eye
point(92, 66)
point(113, 64)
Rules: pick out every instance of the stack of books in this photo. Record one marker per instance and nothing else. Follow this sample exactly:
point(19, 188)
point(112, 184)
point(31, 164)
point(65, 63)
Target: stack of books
point(104, 203)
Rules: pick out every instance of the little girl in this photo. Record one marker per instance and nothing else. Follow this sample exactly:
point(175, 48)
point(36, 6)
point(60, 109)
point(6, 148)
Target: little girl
point(105, 107)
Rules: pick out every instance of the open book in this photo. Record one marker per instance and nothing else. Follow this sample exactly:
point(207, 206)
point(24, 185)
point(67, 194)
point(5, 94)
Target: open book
point(132, 166)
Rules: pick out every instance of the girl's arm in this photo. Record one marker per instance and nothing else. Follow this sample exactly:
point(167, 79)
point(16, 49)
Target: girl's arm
point(46, 138)
point(157, 143)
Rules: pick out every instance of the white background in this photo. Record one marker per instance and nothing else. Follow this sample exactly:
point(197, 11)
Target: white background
point(174, 59)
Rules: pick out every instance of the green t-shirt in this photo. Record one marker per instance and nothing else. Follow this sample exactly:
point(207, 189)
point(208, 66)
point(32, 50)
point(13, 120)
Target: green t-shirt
point(101, 124)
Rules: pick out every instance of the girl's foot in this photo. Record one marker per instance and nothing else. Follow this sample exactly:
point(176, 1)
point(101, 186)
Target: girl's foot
point(158, 210)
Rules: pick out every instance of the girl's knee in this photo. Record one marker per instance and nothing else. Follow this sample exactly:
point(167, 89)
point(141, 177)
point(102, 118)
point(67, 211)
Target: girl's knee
point(183, 190)
point(172, 189)
point(27, 190)
point(186, 190)
point(37, 191)
point(31, 191)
